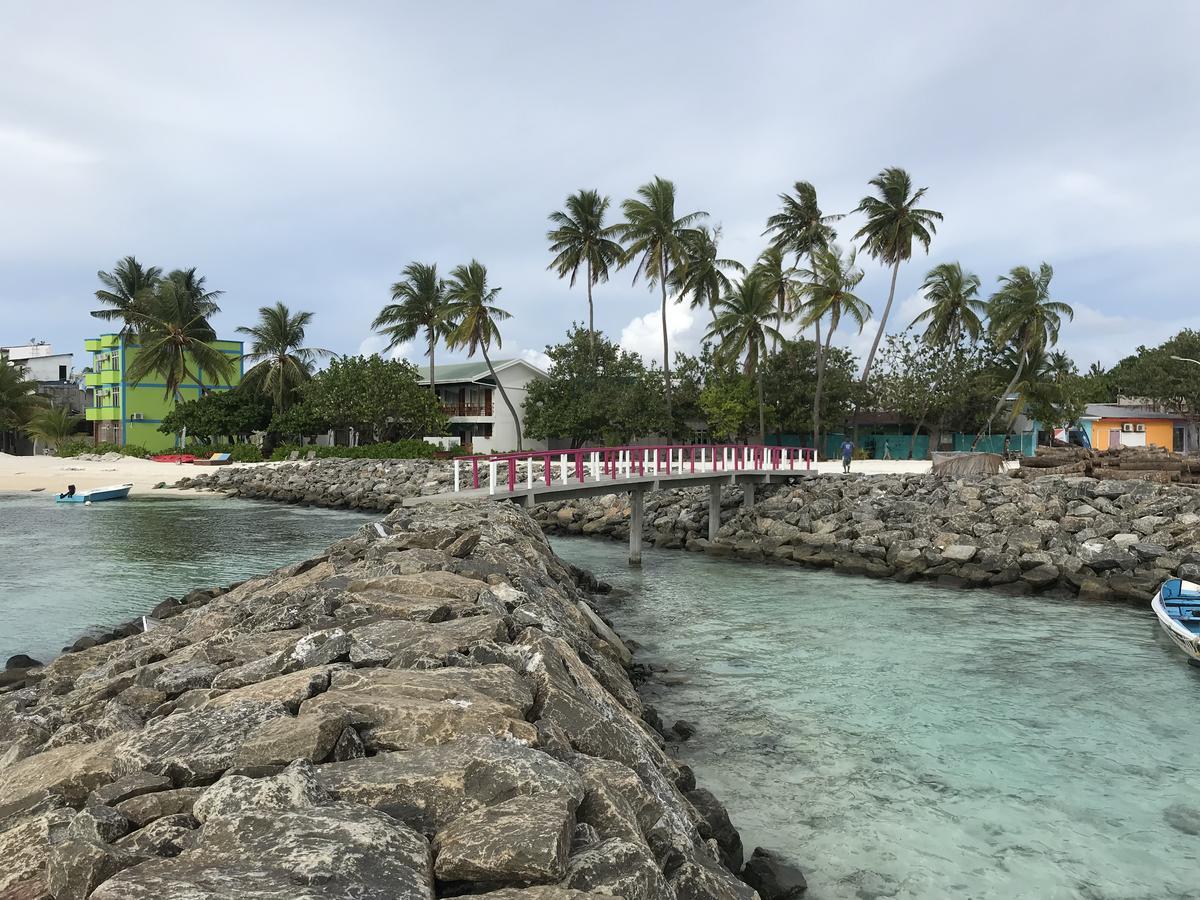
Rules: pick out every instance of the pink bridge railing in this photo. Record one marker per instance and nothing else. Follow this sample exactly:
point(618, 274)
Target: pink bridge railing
point(592, 464)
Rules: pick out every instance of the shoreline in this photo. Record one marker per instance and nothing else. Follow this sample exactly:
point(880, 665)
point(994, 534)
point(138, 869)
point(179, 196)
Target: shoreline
point(51, 474)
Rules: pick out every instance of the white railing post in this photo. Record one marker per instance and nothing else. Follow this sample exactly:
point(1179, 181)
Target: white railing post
point(529, 473)
point(456, 476)
point(491, 476)
point(595, 466)
point(562, 461)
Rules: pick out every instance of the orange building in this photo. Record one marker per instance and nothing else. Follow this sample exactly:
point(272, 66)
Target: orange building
point(1116, 425)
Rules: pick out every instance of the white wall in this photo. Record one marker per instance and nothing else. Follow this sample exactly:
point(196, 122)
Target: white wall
point(42, 365)
point(504, 432)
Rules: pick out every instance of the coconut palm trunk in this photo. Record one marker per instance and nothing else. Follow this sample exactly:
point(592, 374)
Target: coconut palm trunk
point(816, 416)
point(662, 280)
point(503, 395)
point(432, 351)
point(887, 309)
point(1000, 402)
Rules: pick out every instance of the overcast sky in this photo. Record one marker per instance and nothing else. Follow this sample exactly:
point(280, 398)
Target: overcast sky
point(306, 151)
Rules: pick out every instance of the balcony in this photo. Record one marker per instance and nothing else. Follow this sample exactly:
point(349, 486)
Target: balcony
point(454, 410)
point(104, 376)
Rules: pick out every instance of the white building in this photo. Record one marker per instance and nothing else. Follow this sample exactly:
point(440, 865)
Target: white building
point(41, 361)
point(477, 412)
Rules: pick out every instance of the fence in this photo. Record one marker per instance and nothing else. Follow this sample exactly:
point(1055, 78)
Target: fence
point(595, 464)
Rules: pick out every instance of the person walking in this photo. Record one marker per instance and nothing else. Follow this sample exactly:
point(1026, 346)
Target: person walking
point(847, 454)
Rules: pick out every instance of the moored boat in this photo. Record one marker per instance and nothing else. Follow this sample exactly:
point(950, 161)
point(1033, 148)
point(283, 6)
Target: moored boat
point(1177, 606)
point(95, 495)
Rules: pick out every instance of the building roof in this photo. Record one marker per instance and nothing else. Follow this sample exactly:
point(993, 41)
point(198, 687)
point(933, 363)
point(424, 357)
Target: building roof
point(1116, 411)
point(473, 371)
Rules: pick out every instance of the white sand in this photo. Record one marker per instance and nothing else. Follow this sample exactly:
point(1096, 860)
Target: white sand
point(28, 473)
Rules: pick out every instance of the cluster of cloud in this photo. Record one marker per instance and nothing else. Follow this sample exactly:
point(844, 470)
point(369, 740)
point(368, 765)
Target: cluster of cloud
point(291, 153)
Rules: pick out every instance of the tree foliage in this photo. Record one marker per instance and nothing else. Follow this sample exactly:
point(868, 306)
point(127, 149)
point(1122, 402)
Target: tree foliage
point(612, 401)
point(381, 399)
point(281, 362)
point(234, 414)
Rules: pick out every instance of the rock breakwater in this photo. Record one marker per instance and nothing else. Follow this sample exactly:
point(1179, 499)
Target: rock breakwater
point(369, 484)
point(429, 708)
point(1098, 538)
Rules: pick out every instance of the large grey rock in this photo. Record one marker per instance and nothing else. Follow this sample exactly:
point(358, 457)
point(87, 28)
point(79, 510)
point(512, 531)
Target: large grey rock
point(702, 878)
point(168, 836)
point(297, 787)
point(402, 709)
point(145, 808)
point(519, 840)
point(773, 877)
point(716, 825)
point(429, 787)
point(130, 786)
point(620, 869)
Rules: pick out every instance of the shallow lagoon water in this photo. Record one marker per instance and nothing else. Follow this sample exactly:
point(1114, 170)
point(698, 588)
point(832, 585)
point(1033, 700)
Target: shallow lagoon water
point(65, 568)
point(905, 741)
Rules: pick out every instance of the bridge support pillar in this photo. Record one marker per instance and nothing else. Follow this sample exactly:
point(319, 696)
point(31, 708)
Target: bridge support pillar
point(748, 494)
point(714, 510)
point(635, 527)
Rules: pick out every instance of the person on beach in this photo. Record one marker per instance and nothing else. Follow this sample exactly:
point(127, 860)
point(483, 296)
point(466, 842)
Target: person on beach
point(847, 454)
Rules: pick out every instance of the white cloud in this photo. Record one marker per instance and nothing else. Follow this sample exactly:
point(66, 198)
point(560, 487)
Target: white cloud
point(1107, 338)
point(643, 334)
point(376, 343)
point(537, 358)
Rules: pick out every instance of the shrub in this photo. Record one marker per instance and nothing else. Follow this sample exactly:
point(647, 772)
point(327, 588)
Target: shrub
point(391, 450)
point(79, 446)
point(245, 453)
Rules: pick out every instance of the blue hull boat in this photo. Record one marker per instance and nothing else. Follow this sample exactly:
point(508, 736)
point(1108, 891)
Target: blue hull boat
point(95, 495)
point(1177, 606)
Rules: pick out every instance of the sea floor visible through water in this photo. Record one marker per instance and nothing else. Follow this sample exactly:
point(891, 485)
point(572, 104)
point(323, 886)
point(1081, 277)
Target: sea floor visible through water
point(70, 569)
point(905, 741)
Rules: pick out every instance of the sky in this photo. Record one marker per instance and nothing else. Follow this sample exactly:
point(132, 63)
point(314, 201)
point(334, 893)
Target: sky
point(307, 151)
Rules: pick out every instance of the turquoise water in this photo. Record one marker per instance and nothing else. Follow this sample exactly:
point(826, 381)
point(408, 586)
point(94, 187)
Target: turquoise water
point(67, 567)
point(904, 741)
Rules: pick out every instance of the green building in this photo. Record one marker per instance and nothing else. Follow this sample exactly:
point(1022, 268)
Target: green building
point(125, 413)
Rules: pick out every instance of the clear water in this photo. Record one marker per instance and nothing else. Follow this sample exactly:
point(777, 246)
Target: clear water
point(911, 742)
point(65, 568)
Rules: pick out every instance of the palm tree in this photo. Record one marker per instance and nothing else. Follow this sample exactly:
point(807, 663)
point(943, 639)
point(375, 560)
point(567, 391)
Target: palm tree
point(174, 335)
point(1023, 316)
point(800, 228)
point(894, 223)
point(281, 361)
point(18, 399)
point(580, 237)
point(420, 305)
point(655, 236)
point(52, 426)
point(742, 325)
point(702, 275)
point(955, 306)
point(473, 307)
point(127, 289)
point(828, 292)
point(953, 313)
point(779, 280)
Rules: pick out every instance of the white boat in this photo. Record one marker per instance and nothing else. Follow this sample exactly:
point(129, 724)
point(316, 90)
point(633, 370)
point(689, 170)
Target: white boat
point(1177, 606)
point(95, 495)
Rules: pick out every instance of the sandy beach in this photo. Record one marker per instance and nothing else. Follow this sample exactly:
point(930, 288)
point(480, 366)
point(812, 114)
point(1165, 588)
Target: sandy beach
point(52, 474)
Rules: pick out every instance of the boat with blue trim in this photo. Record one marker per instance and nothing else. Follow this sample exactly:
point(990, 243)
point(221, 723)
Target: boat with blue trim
point(1177, 606)
point(95, 495)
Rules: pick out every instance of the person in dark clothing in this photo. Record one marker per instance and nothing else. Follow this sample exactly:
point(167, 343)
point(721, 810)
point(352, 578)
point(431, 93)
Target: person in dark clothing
point(70, 492)
point(847, 454)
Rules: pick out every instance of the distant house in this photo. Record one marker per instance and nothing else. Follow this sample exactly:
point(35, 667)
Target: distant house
point(125, 413)
point(1129, 425)
point(55, 376)
point(478, 415)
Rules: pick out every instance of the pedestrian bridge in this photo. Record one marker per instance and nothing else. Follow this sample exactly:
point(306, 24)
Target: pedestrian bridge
point(541, 476)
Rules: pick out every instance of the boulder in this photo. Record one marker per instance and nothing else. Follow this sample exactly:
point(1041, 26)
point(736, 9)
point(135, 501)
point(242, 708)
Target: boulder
point(168, 836)
point(773, 877)
point(619, 869)
point(520, 840)
point(400, 709)
point(715, 824)
point(127, 787)
point(145, 808)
